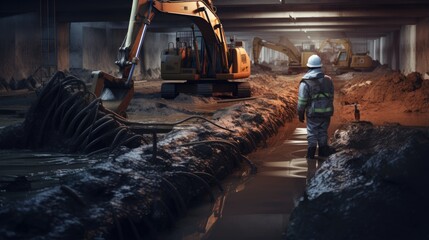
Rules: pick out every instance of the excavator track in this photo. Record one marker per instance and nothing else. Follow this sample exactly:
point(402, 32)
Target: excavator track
point(168, 90)
point(243, 90)
point(206, 89)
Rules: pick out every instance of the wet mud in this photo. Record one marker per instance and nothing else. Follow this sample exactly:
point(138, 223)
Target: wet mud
point(121, 190)
point(373, 187)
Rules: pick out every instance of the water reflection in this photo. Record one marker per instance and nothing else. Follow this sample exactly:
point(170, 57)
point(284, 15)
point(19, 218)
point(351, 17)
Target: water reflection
point(296, 142)
point(255, 206)
point(296, 168)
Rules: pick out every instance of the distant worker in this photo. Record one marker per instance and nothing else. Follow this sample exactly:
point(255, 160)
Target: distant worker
point(315, 100)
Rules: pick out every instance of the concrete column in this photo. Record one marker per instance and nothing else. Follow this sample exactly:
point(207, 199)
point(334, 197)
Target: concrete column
point(370, 46)
point(394, 58)
point(377, 49)
point(407, 49)
point(384, 50)
point(422, 46)
point(63, 46)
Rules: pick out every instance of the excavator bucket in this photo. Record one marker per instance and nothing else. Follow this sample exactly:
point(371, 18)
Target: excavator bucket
point(113, 91)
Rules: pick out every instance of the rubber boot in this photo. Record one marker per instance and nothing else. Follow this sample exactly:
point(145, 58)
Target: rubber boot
point(324, 151)
point(310, 152)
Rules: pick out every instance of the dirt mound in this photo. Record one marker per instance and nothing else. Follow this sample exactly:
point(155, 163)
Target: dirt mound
point(127, 188)
point(374, 187)
point(386, 88)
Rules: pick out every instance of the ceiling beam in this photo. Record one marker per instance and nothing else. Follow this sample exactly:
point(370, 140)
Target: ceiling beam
point(313, 2)
point(275, 14)
point(320, 23)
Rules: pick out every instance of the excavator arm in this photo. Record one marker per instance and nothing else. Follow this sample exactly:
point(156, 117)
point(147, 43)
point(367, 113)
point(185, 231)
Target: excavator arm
point(290, 50)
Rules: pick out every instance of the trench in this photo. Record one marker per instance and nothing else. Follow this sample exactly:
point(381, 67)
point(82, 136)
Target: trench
point(126, 191)
point(255, 206)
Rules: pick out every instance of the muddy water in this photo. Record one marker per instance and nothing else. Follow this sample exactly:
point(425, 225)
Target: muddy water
point(23, 173)
point(255, 206)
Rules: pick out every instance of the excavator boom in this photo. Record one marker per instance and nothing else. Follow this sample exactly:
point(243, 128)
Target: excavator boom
point(290, 50)
point(221, 60)
point(297, 59)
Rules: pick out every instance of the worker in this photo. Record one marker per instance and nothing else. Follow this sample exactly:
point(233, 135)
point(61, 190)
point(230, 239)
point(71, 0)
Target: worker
point(315, 100)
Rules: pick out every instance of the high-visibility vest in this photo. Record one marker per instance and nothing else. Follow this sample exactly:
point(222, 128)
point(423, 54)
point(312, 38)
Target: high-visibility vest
point(320, 99)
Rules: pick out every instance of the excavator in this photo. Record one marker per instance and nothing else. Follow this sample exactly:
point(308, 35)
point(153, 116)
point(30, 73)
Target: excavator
point(345, 60)
point(297, 59)
point(206, 67)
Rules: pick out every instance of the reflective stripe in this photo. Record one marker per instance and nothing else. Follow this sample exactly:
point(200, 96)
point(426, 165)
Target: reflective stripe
point(300, 102)
point(323, 110)
point(321, 95)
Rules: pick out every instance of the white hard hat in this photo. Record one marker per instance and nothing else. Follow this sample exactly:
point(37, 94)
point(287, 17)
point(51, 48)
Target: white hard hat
point(314, 61)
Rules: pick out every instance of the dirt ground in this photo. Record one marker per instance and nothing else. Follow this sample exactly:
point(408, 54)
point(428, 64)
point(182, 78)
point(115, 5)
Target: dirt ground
point(382, 96)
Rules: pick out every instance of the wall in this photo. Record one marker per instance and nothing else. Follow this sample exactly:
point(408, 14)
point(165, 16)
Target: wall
point(407, 49)
point(63, 46)
point(422, 46)
point(20, 50)
point(94, 46)
point(389, 50)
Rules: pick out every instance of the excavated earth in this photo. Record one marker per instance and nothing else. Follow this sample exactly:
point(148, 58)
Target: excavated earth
point(373, 187)
point(74, 191)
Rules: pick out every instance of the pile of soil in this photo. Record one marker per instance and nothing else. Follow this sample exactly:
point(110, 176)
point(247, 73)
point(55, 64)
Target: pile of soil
point(385, 88)
point(374, 187)
point(129, 193)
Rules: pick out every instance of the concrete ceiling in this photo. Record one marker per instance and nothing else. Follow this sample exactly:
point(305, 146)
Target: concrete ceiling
point(298, 20)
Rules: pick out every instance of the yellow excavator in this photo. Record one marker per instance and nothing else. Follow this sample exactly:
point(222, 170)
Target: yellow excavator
point(345, 60)
point(297, 59)
point(206, 67)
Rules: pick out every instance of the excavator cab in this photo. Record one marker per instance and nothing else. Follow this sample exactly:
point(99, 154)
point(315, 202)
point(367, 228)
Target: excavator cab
point(191, 67)
point(181, 62)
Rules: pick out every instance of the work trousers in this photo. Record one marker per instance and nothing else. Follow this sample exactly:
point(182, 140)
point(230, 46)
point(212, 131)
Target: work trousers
point(317, 131)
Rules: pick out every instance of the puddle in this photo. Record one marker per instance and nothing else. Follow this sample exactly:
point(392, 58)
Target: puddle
point(255, 206)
